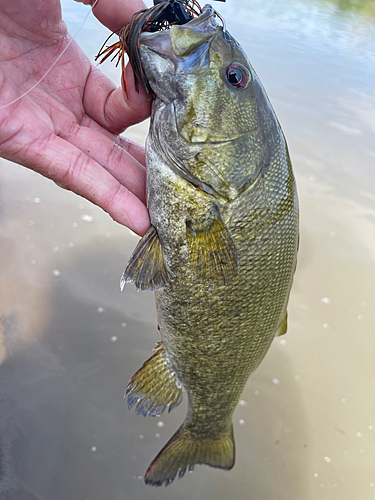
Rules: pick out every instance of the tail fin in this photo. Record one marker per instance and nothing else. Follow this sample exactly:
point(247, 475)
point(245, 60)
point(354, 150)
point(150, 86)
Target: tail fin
point(183, 451)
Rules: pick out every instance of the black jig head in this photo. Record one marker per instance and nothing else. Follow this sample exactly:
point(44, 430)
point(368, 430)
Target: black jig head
point(175, 12)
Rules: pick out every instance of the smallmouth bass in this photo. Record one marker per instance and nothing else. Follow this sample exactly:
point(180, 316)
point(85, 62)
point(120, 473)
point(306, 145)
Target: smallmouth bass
point(221, 253)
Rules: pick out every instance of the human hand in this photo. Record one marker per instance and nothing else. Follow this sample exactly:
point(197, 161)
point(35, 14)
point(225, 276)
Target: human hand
point(67, 127)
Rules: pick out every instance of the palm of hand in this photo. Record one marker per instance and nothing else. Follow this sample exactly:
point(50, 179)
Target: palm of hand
point(66, 127)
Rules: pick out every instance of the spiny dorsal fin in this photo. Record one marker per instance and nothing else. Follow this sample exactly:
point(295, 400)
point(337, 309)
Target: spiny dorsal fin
point(184, 450)
point(212, 251)
point(147, 267)
point(282, 328)
point(154, 386)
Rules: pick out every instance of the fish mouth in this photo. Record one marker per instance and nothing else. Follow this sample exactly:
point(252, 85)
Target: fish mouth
point(203, 21)
point(169, 43)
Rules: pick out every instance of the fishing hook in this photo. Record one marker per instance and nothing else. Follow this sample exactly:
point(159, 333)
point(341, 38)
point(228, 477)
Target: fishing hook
point(221, 18)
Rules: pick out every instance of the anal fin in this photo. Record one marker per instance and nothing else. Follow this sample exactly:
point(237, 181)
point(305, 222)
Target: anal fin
point(283, 326)
point(147, 267)
point(212, 249)
point(154, 386)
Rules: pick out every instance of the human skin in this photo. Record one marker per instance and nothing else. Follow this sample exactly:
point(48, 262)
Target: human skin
point(68, 127)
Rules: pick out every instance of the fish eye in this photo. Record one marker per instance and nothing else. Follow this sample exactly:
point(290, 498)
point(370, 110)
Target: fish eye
point(237, 75)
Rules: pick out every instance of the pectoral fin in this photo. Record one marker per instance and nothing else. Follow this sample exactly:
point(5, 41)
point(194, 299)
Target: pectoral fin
point(147, 267)
point(212, 249)
point(282, 326)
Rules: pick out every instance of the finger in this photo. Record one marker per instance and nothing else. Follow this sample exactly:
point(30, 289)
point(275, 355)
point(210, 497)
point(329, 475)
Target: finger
point(136, 150)
point(116, 13)
point(109, 106)
point(70, 168)
point(110, 153)
point(36, 21)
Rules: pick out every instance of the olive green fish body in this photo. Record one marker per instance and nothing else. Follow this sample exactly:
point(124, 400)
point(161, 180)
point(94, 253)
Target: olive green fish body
point(216, 334)
point(221, 253)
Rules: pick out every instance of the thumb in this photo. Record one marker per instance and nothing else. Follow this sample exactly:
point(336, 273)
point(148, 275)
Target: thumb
point(87, 2)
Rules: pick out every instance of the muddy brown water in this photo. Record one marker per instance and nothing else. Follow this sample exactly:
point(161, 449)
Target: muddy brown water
point(70, 340)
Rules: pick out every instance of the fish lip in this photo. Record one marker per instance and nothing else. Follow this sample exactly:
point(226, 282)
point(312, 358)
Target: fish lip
point(207, 12)
point(163, 55)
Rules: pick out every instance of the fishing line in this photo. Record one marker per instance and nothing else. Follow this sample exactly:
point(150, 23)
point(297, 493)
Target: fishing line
point(55, 62)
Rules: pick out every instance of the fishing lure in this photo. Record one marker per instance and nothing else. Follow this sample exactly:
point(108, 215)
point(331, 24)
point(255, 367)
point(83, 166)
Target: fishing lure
point(160, 17)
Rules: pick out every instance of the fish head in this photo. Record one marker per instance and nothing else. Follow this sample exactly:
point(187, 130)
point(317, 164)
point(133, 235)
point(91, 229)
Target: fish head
point(204, 71)
point(211, 99)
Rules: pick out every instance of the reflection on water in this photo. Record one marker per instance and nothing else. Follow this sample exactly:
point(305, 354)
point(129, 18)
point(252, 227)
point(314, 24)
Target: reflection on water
point(363, 7)
point(305, 428)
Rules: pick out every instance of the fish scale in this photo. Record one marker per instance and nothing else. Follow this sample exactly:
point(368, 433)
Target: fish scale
point(265, 284)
